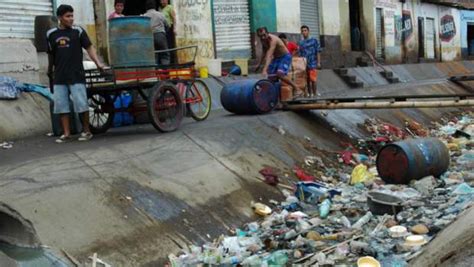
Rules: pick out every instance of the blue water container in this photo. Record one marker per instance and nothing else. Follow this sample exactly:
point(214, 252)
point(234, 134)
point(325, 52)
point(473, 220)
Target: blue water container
point(407, 160)
point(131, 42)
point(250, 96)
point(123, 118)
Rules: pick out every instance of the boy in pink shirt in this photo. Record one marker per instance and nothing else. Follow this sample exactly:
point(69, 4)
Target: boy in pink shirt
point(119, 6)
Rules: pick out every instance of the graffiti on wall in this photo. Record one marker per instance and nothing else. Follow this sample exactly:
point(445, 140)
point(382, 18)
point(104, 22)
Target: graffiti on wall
point(447, 29)
point(389, 27)
point(194, 28)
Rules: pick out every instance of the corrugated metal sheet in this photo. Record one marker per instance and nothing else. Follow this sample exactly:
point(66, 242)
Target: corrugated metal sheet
point(232, 29)
point(430, 38)
point(378, 33)
point(17, 17)
point(310, 16)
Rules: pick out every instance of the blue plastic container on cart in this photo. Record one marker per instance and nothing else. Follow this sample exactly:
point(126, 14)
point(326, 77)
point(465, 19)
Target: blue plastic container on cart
point(251, 96)
point(131, 42)
point(123, 118)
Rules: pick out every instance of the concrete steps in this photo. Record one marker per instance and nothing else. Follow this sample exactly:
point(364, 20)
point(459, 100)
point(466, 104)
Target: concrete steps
point(390, 76)
point(349, 79)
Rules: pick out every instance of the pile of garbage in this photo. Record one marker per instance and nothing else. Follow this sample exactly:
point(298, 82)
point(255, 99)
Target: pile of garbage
point(354, 218)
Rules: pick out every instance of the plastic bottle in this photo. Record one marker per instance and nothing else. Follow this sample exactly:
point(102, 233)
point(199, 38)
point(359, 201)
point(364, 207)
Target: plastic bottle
point(324, 208)
point(345, 221)
point(278, 258)
point(252, 261)
point(362, 221)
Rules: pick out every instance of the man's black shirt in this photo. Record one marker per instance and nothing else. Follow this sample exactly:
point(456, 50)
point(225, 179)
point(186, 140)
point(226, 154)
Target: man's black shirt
point(65, 45)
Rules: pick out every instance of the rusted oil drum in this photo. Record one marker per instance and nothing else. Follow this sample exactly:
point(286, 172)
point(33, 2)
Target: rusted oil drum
point(251, 96)
point(131, 42)
point(401, 162)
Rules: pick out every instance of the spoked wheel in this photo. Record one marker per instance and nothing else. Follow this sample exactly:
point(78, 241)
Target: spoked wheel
point(198, 100)
point(101, 113)
point(165, 108)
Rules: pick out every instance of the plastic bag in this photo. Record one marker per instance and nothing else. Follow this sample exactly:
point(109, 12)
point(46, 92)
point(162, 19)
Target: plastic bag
point(360, 174)
point(8, 88)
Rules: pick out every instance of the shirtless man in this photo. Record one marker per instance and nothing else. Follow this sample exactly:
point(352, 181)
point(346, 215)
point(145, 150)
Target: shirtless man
point(277, 57)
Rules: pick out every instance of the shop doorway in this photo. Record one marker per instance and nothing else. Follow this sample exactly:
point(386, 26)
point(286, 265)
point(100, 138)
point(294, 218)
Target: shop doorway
point(134, 8)
point(357, 38)
point(470, 38)
point(430, 38)
point(421, 37)
point(137, 7)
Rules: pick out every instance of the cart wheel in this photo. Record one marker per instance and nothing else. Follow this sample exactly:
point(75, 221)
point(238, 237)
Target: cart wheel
point(101, 113)
point(165, 108)
point(198, 100)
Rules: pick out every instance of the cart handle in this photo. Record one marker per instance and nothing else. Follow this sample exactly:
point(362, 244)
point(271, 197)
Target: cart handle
point(195, 47)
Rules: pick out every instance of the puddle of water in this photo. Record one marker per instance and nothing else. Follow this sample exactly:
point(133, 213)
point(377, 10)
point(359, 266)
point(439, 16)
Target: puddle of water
point(32, 257)
point(160, 206)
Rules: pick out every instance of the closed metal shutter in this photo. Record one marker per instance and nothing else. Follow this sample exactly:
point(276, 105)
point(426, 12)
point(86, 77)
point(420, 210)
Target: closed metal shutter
point(310, 16)
point(232, 29)
point(17, 17)
point(430, 38)
point(379, 33)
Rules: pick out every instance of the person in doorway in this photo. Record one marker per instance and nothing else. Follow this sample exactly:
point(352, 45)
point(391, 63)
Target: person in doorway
point(158, 25)
point(276, 56)
point(170, 15)
point(65, 67)
point(119, 5)
point(292, 46)
point(311, 50)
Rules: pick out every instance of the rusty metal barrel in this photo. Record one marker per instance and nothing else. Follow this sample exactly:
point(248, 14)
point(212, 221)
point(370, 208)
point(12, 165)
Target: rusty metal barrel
point(131, 42)
point(403, 161)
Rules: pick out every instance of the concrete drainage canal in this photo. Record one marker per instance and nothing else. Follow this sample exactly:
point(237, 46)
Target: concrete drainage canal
point(274, 190)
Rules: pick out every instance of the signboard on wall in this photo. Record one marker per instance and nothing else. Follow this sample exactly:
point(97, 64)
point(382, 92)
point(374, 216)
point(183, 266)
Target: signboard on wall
point(447, 29)
point(386, 4)
point(407, 25)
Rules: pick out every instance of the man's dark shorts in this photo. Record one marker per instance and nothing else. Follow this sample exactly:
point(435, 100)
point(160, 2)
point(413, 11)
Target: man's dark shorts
point(280, 65)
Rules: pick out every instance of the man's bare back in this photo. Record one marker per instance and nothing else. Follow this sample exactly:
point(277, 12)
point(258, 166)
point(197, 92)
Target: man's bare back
point(279, 47)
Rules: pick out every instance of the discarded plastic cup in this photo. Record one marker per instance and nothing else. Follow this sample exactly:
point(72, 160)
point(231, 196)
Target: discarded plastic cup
point(368, 262)
point(398, 231)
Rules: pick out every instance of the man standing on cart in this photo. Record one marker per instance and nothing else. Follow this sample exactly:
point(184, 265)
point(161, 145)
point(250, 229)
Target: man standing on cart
point(65, 44)
point(158, 26)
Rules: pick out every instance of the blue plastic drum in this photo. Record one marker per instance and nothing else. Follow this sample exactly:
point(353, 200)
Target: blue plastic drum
point(131, 42)
point(250, 96)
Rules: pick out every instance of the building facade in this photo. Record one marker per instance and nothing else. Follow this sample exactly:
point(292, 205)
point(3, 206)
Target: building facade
point(19, 57)
point(393, 31)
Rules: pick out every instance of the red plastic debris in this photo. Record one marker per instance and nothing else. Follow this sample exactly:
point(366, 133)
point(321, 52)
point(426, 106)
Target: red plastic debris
point(270, 177)
point(302, 175)
point(346, 157)
point(390, 129)
point(381, 139)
